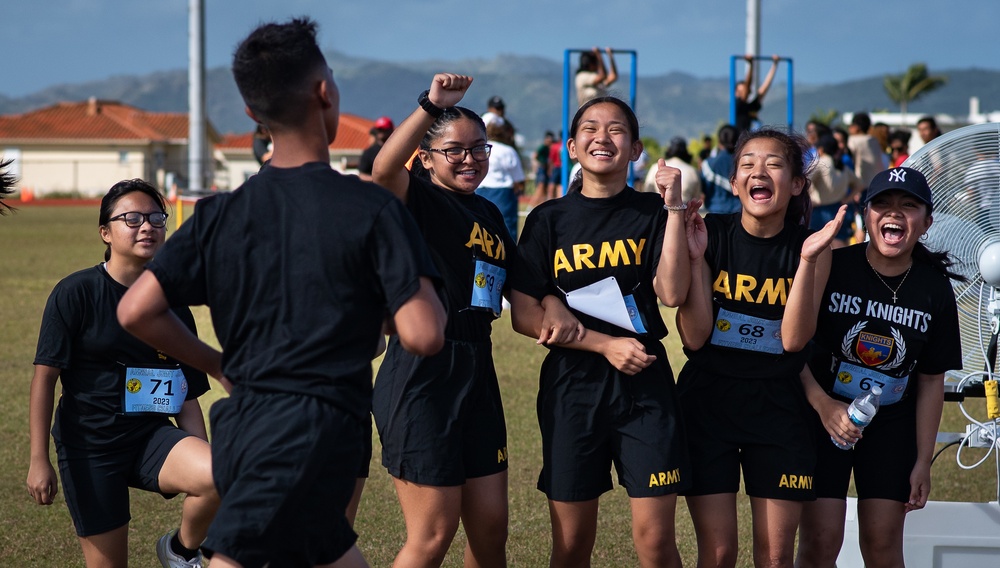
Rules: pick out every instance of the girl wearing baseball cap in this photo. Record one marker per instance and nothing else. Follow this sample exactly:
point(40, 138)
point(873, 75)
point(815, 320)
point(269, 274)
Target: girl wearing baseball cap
point(888, 318)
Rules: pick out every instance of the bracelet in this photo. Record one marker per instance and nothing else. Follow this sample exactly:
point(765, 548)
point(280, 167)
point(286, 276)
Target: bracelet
point(681, 207)
point(429, 107)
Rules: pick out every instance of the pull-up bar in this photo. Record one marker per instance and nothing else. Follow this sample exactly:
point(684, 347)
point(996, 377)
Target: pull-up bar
point(732, 87)
point(568, 88)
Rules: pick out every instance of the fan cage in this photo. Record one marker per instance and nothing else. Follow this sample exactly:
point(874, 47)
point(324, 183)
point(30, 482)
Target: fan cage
point(962, 168)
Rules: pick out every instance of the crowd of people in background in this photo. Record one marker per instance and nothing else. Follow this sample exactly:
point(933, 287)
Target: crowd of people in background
point(426, 245)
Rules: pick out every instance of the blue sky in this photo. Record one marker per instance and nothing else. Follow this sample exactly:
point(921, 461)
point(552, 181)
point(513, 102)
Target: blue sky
point(51, 42)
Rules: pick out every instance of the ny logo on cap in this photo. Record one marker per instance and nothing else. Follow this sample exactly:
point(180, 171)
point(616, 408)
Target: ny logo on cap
point(898, 175)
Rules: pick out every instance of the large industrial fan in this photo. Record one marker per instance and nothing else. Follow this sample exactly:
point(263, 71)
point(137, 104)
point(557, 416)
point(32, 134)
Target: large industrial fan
point(963, 170)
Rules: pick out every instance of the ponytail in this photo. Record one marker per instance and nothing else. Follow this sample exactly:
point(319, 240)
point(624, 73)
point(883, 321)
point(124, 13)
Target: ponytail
point(938, 260)
point(799, 209)
point(576, 184)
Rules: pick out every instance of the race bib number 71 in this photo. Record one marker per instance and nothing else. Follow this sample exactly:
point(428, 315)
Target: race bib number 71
point(157, 391)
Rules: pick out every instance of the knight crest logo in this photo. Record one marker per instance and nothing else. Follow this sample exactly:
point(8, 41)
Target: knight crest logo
point(480, 280)
point(723, 325)
point(873, 349)
point(844, 377)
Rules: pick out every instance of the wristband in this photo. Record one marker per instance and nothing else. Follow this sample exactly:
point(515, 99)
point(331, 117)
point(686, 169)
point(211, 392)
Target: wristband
point(681, 207)
point(429, 107)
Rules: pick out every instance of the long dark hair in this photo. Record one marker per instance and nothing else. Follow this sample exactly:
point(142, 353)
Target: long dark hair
point(938, 260)
point(795, 147)
point(576, 184)
point(119, 190)
point(437, 129)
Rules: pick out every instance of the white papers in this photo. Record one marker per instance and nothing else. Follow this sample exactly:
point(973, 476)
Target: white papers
point(603, 300)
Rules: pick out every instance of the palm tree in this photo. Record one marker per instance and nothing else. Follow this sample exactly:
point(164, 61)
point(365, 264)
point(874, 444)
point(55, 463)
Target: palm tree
point(912, 85)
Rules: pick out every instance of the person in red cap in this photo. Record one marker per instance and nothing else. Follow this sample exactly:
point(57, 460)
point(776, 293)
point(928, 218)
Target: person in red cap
point(380, 132)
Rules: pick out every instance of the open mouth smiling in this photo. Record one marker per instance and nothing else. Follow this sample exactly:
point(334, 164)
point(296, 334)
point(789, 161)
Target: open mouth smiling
point(892, 233)
point(760, 193)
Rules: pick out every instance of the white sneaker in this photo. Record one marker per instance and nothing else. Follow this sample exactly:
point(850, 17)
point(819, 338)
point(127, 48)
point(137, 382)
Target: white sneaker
point(169, 559)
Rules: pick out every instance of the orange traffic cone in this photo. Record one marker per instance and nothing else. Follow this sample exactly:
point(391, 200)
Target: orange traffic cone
point(27, 194)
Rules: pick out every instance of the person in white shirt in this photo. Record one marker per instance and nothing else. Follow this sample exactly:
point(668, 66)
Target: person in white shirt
point(505, 180)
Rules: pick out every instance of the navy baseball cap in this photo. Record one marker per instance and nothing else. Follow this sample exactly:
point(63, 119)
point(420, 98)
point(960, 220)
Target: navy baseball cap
point(907, 180)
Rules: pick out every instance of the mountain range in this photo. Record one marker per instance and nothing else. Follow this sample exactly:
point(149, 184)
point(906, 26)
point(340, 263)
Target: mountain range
point(668, 105)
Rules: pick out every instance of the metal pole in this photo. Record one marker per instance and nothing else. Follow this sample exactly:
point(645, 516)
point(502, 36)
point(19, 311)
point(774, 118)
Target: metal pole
point(753, 35)
point(196, 95)
point(791, 94)
point(564, 152)
point(631, 89)
point(732, 89)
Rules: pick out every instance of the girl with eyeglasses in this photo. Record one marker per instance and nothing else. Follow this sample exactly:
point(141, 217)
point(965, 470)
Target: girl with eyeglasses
point(440, 418)
point(606, 396)
point(112, 426)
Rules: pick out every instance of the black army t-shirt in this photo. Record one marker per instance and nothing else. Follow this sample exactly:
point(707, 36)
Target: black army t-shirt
point(471, 248)
point(751, 278)
point(576, 241)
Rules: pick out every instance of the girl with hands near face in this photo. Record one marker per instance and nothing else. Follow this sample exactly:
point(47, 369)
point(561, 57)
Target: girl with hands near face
point(756, 278)
point(608, 395)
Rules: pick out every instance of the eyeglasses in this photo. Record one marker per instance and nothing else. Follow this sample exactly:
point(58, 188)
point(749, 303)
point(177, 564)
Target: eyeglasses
point(134, 219)
point(479, 153)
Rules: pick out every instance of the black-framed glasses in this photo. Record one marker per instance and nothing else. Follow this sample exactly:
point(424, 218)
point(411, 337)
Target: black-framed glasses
point(479, 153)
point(135, 219)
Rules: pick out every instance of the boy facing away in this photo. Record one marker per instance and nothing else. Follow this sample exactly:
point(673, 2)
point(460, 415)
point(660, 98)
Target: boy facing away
point(299, 266)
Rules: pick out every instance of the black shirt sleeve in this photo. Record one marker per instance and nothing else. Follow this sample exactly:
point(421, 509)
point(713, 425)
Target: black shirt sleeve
point(401, 257)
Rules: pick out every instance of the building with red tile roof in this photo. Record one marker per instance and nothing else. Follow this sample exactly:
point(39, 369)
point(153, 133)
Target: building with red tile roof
point(235, 160)
point(86, 147)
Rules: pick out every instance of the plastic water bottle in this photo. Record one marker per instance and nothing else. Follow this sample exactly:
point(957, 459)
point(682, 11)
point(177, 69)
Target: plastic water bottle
point(861, 411)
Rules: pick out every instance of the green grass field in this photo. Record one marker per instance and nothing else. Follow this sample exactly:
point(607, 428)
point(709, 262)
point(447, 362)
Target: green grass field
point(43, 244)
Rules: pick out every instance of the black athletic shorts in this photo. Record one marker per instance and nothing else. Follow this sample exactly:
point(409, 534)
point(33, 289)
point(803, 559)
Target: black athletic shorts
point(285, 466)
point(440, 418)
point(763, 426)
point(591, 415)
point(96, 482)
point(882, 460)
